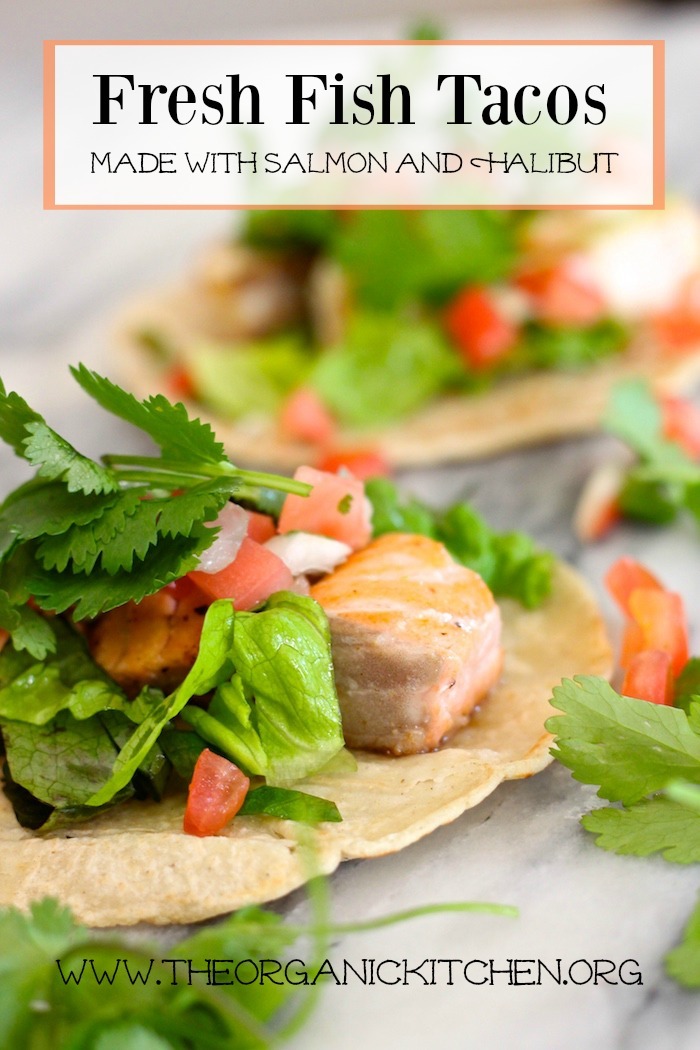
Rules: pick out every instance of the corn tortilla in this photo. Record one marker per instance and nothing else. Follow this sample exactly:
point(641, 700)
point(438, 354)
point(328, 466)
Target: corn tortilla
point(134, 864)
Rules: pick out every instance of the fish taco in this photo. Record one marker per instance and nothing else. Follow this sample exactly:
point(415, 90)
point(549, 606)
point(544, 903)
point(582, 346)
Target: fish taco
point(422, 336)
point(199, 660)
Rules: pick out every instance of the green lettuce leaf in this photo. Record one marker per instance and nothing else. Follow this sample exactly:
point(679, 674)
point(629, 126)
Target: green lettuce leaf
point(510, 563)
point(67, 680)
point(288, 804)
point(251, 379)
point(62, 762)
point(214, 665)
point(278, 716)
point(384, 369)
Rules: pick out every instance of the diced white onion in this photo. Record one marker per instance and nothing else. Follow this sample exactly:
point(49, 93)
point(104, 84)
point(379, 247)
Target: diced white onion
point(233, 523)
point(306, 552)
point(301, 586)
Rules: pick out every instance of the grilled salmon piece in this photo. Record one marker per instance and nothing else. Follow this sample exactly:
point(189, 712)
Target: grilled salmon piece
point(416, 643)
point(152, 642)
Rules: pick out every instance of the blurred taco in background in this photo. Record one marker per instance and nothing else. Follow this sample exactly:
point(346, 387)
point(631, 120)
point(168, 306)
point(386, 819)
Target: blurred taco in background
point(424, 336)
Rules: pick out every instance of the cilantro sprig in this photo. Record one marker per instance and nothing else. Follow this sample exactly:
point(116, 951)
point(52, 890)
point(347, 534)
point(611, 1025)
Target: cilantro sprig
point(647, 757)
point(664, 480)
point(91, 535)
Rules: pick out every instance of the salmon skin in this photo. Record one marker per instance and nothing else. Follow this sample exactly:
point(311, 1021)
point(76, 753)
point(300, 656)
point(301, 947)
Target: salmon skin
point(416, 643)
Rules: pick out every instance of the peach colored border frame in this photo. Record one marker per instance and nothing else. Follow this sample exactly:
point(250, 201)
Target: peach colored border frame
point(658, 126)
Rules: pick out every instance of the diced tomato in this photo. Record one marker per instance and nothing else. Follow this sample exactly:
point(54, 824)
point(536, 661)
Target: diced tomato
point(363, 463)
point(661, 616)
point(628, 575)
point(679, 327)
point(217, 791)
point(563, 295)
point(649, 677)
point(253, 575)
point(336, 507)
point(184, 589)
point(304, 417)
point(681, 423)
point(633, 643)
point(180, 382)
point(261, 527)
point(4, 638)
point(598, 508)
point(481, 331)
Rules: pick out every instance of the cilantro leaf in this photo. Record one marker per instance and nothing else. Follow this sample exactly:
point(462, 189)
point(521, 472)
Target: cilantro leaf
point(98, 591)
point(683, 962)
point(63, 762)
point(33, 440)
point(654, 825)
point(29, 630)
point(57, 459)
point(630, 748)
point(15, 416)
point(687, 686)
point(81, 544)
point(168, 425)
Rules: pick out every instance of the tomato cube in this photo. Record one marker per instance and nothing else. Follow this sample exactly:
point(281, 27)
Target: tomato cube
point(253, 575)
point(336, 507)
point(217, 791)
point(304, 417)
point(481, 331)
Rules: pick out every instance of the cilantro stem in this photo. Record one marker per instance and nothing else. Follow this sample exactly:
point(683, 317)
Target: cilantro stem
point(683, 792)
point(338, 929)
point(274, 481)
point(172, 470)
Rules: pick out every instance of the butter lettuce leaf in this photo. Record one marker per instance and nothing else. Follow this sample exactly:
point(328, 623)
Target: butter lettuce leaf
point(283, 656)
point(34, 691)
point(214, 665)
point(275, 709)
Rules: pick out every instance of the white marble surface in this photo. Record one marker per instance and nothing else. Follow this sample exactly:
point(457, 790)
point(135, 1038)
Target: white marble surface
point(61, 274)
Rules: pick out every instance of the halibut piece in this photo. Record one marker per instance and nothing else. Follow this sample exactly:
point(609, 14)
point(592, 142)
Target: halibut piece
point(416, 643)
